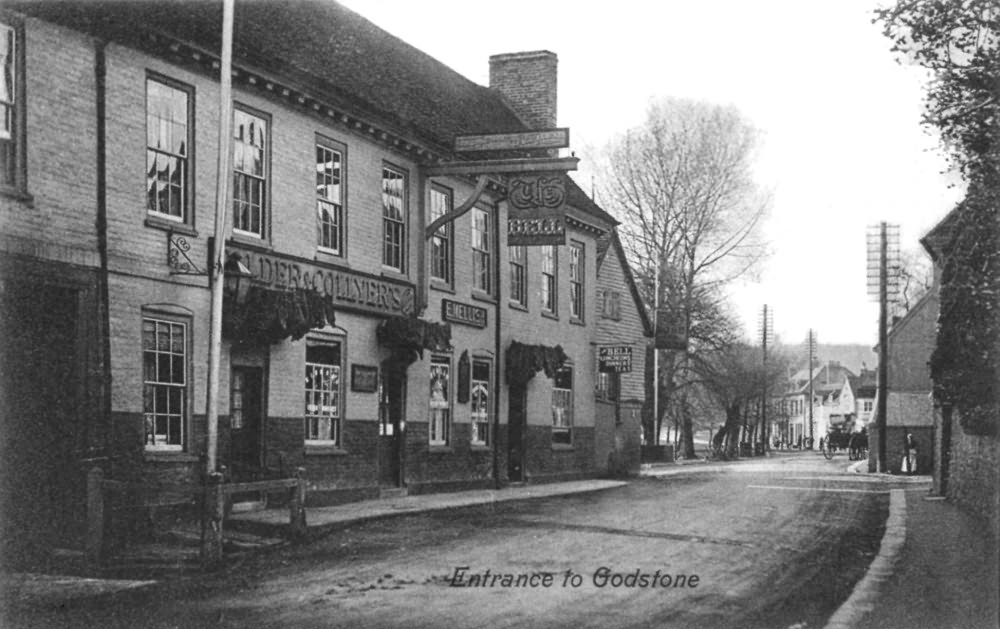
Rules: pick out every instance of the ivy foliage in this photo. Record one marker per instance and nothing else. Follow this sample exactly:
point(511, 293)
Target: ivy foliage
point(958, 41)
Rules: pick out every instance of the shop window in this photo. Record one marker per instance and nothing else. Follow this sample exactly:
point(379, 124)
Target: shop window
point(480, 398)
point(550, 265)
point(518, 275)
point(13, 168)
point(440, 401)
point(482, 261)
point(330, 197)
point(165, 383)
point(441, 241)
point(168, 147)
point(562, 406)
point(393, 219)
point(607, 386)
point(323, 393)
point(250, 158)
point(576, 270)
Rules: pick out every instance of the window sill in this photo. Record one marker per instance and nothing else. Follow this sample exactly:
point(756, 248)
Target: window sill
point(548, 314)
point(564, 447)
point(18, 194)
point(178, 228)
point(437, 449)
point(329, 257)
point(250, 242)
point(441, 286)
point(575, 321)
point(323, 450)
point(169, 456)
point(394, 274)
point(516, 305)
point(480, 447)
point(481, 296)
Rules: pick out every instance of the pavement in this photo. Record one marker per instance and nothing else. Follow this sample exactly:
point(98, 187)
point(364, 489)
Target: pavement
point(936, 569)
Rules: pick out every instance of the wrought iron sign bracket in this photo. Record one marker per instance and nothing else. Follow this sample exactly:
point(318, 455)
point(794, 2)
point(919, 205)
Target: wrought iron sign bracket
point(466, 205)
point(178, 260)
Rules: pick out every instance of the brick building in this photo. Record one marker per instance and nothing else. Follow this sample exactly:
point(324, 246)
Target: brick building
point(363, 352)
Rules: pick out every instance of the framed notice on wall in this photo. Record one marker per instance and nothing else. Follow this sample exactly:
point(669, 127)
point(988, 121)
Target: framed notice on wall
point(364, 378)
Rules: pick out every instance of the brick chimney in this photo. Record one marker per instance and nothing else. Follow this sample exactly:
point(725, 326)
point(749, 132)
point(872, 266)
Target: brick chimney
point(527, 81)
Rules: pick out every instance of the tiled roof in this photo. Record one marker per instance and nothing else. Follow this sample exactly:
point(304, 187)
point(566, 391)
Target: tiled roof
point(316, 43)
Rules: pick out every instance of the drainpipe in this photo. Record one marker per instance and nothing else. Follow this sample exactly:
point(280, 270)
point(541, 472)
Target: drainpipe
point(99, 442)
point(498, 354)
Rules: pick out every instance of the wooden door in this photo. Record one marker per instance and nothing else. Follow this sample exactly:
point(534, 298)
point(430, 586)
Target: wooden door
point(515, 433)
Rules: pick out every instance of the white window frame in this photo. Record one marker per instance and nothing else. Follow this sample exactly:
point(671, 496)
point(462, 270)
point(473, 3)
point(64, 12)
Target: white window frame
point(480, 402)
point(562, 408)
point(549, 291)
point(331, 213)
point(518, 257)
point(442, 267)
point(244, 170)
point(482, 251)
point(12, 133)
point(439, 401)
point(577, 269)
point(324, 396)
point(394, 217)
point(165, 124)
point(172, 388)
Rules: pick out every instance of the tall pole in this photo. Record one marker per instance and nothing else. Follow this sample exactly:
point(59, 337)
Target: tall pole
point(222, 209)
point(763, 401)
point(883, 344)
point(656, 358)
point(812, 351)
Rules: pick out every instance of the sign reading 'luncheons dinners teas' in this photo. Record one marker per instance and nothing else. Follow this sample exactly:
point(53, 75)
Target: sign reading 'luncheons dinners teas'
point(349, 290)
point(614, 359)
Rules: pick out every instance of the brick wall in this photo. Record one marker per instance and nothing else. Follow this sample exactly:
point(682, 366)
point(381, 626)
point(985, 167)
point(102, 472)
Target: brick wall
point(528, 81)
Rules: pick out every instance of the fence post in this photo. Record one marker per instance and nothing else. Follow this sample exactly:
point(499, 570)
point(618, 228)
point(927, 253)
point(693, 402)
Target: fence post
point(297, 506)
point(95, 516)
point(211, 520)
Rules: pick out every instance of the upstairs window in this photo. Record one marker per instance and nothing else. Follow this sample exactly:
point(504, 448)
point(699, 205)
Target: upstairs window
point(168, 142)
point(393, 219)
point(576, 270)
point(330, 198)
point(550, 262)
point(12, 135)
point(518, 275)
point(611, 304)
point(441, 248)
point(482, 265)
point(250, 145)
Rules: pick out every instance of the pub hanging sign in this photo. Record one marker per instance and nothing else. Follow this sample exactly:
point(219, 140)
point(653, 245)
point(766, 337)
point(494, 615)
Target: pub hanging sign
point(537, 213)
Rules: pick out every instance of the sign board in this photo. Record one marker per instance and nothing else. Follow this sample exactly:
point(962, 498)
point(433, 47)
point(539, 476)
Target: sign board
point(669, 331)
point(349, 290)
point(614, 359)
point(465, 314)
point(364, 378)
point(544, 139)
point(537, 209)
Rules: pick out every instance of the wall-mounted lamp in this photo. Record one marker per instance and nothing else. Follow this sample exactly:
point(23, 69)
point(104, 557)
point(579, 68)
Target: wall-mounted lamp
point(237, 278)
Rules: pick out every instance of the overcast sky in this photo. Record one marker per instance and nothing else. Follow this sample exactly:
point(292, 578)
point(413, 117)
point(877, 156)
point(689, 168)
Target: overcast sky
point(842, 145)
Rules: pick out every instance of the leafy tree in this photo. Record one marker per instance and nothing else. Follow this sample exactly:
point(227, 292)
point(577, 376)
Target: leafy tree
point(691, 212)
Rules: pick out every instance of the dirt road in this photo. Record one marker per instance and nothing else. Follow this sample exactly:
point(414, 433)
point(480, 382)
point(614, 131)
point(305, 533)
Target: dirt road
point(775, 544)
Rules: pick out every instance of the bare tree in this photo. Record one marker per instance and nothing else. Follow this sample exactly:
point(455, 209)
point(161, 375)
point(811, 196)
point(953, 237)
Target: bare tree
point(691, 212)
point(916, 276)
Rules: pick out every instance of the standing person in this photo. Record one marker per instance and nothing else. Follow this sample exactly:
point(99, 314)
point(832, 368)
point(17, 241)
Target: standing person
point(910, 457)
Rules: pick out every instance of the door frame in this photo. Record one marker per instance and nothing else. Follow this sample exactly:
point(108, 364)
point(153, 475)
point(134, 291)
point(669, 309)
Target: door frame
point(389, 373)
point(517, 424)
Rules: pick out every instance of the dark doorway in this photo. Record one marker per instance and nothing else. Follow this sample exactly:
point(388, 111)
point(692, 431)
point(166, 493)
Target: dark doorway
point(392, 405)
point(43, 425)
point(245, 421)
point(515, 433)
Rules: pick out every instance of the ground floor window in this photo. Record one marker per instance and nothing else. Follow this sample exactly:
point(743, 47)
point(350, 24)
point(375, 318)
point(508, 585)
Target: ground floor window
point(440, 405)
point(562, 406)
point(323, 395)
point(607, 386)
point(480, 399)
point(164, 382)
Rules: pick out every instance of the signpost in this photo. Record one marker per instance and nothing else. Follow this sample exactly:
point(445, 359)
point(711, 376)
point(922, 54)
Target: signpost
point(526, 140)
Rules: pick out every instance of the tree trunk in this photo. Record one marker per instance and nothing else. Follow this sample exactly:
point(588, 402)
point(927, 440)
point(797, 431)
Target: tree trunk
point(732, 428)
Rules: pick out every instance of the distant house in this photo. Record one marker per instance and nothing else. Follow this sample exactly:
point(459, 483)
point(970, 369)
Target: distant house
point(621, 321)
point(832, 403)
point(864, 385)
point(909, 408)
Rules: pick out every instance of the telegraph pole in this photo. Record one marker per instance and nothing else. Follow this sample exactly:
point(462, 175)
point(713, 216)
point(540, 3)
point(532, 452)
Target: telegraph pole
point(766, 330)
point(883, 284)
point(812, 356)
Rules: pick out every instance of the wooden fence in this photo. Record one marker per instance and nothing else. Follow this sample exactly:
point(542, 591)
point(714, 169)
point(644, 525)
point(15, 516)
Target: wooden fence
point(213, 494)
